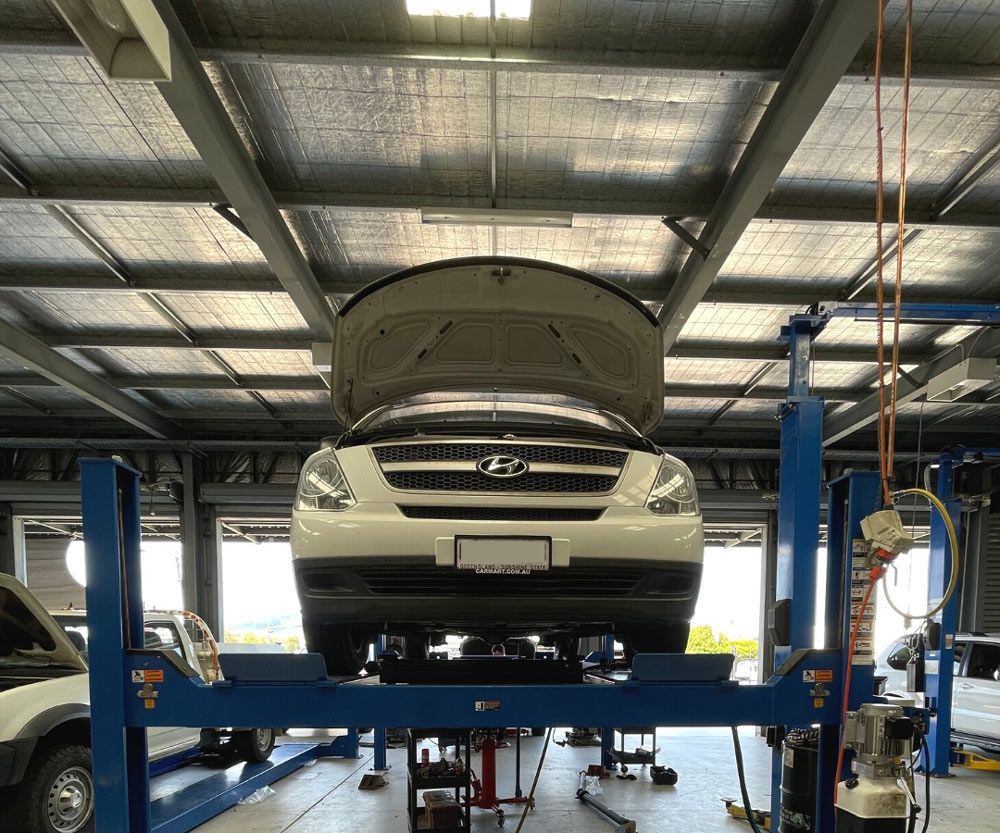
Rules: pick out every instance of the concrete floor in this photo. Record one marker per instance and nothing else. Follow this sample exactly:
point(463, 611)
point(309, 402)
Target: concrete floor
point(324, 797)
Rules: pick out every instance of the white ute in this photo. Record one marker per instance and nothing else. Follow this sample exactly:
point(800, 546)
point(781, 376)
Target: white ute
point(45, 779)
point(495, 480)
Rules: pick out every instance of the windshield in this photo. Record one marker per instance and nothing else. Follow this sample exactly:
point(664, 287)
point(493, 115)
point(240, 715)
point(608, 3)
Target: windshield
point(500, 411)
point(76, 630)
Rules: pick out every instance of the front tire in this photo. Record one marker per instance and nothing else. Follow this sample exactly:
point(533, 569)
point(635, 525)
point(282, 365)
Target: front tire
point(344, 648)
point(57, 793)
point(416, 647)
point(568, 647)
point(253, 745)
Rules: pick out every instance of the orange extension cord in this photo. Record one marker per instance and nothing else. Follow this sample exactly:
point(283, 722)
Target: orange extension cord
point(886, 432)
point(874, 576)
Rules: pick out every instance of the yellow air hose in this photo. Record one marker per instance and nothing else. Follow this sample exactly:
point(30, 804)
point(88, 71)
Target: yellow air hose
point(940, 508)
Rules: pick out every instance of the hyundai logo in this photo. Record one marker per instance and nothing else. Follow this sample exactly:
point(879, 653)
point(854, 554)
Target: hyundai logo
point(502, 465)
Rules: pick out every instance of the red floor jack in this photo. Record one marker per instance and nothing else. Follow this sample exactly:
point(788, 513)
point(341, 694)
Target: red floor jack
point(484, 786)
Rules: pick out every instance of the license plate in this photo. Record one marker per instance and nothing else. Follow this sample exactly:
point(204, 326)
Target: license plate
point(504, 556)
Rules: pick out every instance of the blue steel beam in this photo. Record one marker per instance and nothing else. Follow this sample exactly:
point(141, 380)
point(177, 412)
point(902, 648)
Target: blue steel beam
point(911, 313)
point(186, 808)
point(189, 701)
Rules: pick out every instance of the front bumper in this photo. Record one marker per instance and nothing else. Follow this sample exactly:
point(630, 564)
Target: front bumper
point(414, 594)
point(377, 529)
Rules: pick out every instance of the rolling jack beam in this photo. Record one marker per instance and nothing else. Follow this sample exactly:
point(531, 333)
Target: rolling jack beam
point(618, 822)
point(972, 760)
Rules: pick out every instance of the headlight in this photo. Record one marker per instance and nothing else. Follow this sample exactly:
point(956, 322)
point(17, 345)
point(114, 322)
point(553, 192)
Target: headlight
point(674, 492)
point(322, 484)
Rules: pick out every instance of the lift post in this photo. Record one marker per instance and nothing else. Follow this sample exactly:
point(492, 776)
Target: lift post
point(940, 658)
point(792, 619)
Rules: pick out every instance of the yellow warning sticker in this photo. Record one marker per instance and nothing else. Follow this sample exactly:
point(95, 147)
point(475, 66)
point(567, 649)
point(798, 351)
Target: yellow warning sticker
point(817, 702)
point(149, 704)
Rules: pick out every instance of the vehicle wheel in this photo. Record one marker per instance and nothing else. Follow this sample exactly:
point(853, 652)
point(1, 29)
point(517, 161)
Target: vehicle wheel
point(665, 639)
point(57, 794)
point(473, 646)
point(253, 745)
point(344, 649)
point(416, 647)
point(568, 647)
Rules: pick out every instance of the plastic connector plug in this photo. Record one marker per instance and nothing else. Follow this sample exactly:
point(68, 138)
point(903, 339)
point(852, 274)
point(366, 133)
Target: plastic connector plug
point(884, 532)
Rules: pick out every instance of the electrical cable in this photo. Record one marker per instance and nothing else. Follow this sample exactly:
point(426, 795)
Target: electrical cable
point(927, 783)
point(531, 793)
point(738, 750)
point(900, 235)
point(875, 575)
point(940, 508)
point(880, 246)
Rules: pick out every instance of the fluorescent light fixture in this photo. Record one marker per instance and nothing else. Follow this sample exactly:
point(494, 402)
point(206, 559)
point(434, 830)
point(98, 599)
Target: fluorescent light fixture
point(127, 37)
point(960, 380)
point(511, 9)
point(495, 217)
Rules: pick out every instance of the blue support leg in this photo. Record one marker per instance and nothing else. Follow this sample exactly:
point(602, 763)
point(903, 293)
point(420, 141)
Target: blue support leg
point(607, 744)
point(798, 520)
point(380, 758)
point(110, 502)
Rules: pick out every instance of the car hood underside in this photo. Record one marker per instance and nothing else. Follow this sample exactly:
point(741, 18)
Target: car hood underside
point(28, 632)
point(497, 324)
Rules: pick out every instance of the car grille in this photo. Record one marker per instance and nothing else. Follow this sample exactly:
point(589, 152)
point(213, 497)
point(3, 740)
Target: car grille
point(563, 581)
point(452, 467)
point(473, 481)
point(500, 513)
point(438, 452)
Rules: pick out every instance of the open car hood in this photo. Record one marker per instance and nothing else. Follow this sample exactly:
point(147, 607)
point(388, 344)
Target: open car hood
point(488, 324)
point(28, 631)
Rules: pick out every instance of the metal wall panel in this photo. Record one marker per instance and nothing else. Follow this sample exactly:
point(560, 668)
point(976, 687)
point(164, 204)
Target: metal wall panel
point(48, 577)
point(990, 592)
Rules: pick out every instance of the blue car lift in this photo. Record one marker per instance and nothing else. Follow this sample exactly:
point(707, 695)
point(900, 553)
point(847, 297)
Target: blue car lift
point(939, 659)
point(134, 688)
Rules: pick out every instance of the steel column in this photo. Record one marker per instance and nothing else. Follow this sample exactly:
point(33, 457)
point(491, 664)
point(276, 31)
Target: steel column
point(768, 579)
point(940, 661)
point(8, 548)
point(975, 560)
point(200, 548)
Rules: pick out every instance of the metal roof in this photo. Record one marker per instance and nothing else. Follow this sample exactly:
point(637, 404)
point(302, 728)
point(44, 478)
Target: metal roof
point(358, 115)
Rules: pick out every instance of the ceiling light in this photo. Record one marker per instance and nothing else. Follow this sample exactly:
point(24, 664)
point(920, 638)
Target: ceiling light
point(511, 9)
point(958, 381)
point(127, 37)
point(495, 217)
